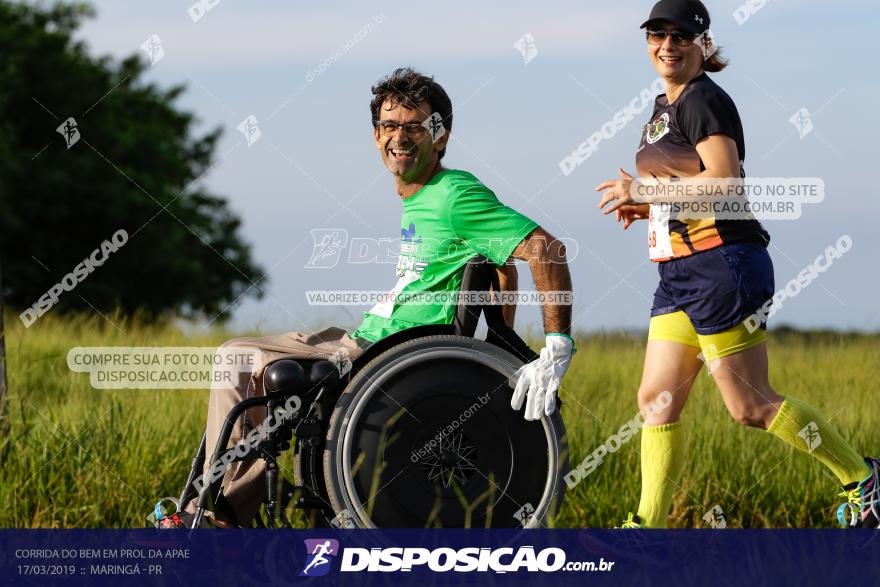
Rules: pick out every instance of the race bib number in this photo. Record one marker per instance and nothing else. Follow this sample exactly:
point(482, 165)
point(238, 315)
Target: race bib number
point(659, 243)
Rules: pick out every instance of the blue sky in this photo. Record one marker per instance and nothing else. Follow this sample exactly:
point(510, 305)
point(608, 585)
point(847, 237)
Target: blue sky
point(513, 123)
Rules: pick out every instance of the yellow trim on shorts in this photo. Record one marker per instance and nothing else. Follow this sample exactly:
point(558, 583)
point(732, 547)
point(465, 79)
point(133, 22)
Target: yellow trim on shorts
point(677, 327)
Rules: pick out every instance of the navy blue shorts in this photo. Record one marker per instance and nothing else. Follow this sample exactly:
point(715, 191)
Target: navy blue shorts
point(718, 288)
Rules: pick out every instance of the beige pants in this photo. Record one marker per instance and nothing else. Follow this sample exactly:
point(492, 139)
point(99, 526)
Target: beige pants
point(244, 482)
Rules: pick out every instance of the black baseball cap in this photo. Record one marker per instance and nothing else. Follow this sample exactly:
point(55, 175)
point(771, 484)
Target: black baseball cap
point(687, 15)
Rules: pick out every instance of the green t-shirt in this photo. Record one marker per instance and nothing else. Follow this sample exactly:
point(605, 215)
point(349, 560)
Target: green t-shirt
point(452, 219)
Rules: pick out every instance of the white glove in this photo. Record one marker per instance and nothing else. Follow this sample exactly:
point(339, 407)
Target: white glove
point(539, 380)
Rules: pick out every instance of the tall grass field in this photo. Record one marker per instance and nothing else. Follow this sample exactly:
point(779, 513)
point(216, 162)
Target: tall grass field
point(81, 457)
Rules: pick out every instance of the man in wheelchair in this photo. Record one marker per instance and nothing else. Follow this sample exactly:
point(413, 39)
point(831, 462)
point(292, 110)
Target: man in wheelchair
point(456, 237)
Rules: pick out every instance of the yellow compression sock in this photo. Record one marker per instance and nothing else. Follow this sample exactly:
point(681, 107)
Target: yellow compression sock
point(663, 449)
point(803, 427)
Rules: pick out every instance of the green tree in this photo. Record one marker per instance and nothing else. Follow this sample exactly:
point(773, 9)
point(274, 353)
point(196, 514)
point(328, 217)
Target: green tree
point(135, 168)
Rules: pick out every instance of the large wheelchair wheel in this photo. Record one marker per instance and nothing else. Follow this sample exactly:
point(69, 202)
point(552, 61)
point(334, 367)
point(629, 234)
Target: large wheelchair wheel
point(424, 436)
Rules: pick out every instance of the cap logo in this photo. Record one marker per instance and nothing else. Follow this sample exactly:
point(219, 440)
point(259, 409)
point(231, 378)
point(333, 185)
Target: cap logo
point(697, 17)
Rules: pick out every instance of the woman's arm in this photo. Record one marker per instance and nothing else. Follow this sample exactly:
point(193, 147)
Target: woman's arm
point(719, 156)
point(720, 159)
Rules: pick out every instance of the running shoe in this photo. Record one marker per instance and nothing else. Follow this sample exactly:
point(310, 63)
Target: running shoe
point(862, 500)
point(632, 521)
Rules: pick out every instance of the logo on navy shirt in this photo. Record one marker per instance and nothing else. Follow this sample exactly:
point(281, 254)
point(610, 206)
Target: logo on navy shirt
point(657, 129)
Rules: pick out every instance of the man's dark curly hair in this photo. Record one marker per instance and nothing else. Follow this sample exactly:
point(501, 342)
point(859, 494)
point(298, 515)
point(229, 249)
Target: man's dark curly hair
point(409, 87)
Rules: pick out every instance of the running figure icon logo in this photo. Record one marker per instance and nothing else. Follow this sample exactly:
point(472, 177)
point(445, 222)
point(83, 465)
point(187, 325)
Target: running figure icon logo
point(327, 247)
point(153, 48)
point(321, 552)
point(524, 514)
point(802, 122)
point(811, 436)
point(250, 128)
point(715, 517)
point(70, 131)
point(434, 125)
point(526, 47)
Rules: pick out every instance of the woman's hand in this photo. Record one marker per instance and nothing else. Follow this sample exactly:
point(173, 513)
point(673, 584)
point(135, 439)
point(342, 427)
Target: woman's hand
point(629, 213)
point(617, 194)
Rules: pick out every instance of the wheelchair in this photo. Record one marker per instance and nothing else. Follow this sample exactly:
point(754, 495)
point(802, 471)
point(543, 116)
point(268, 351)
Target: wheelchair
point(418, 433)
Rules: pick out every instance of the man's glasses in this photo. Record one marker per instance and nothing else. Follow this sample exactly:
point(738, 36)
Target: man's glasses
point(413, 130)
point(679, 39)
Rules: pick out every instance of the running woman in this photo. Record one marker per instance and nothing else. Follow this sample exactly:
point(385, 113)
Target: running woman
point(714, 274)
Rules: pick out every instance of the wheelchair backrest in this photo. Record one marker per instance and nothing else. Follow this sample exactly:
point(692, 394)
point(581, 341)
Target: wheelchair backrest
point(480, 275)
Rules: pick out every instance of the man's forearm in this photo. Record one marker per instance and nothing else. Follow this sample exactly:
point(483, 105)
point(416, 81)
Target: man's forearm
point(546, 258)
point(551, 274)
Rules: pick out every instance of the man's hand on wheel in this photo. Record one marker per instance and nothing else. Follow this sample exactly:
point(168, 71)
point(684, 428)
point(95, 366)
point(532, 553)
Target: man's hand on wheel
point(537, 382)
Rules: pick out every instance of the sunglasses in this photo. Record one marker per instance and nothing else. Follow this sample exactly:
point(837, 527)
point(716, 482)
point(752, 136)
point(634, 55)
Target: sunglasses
point(679, 39)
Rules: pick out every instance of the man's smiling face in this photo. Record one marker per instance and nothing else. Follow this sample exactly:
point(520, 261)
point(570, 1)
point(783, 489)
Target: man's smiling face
point(407, 155)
